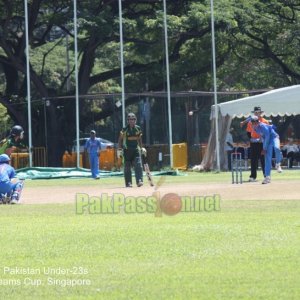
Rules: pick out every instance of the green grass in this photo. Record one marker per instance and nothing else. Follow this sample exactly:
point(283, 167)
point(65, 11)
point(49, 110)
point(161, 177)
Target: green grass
point(185, 177)
point(247, 250)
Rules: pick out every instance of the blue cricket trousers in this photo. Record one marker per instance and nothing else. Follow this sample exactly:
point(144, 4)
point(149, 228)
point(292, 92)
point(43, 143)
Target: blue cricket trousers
point(274, 143)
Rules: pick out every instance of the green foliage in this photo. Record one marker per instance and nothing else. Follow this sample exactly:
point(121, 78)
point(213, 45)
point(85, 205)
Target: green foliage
point(241, 251)
point(5, 122)
point(50, 61)
point(251, 40)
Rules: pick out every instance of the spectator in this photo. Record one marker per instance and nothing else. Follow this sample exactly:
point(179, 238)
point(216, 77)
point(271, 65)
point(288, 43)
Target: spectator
point(292, 152)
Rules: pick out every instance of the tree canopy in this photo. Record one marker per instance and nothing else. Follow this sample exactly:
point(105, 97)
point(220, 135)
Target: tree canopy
point(257, 46)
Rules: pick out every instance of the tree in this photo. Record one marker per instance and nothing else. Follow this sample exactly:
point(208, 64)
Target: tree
point(245, 31)
point(265, 40)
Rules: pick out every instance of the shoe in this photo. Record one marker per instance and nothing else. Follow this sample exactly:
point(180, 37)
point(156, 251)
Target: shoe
point(14, 198)
point(140, 183)
point(129, 184)
point(14, 201)
point(278, 168)
point(266, 180)
point(97, 177)
point(252, 179)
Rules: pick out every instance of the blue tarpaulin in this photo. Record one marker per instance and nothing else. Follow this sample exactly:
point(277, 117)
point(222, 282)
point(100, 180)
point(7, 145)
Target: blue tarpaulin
point(51, 173)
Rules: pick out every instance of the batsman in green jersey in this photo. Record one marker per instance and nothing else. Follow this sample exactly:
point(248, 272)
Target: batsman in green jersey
point(130, 148)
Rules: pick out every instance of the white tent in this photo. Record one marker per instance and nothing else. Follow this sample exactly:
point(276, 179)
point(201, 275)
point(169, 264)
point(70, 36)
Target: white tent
point(279, 102)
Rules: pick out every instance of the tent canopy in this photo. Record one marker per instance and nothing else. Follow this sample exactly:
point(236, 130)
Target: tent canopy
point(283, 101)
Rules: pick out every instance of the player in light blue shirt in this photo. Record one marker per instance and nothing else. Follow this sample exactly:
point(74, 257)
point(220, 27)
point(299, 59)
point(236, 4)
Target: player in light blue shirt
point(270, 141)
point(93, 147)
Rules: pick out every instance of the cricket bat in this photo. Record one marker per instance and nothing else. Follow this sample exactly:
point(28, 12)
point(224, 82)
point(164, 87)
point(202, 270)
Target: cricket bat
point(148, 174)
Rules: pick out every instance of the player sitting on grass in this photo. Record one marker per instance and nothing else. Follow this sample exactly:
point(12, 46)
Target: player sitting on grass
point(9, 188)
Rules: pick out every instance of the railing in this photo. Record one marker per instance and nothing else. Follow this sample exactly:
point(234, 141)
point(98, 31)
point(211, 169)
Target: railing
point(21, 159)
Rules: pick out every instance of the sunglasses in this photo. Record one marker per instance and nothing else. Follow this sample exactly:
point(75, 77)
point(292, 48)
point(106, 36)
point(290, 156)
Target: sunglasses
point(131, 119)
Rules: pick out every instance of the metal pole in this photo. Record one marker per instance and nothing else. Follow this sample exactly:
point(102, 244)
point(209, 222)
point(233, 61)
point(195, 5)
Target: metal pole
point(215, 83)
point(76, 83)
point(168, 84)
point(68, 62)
point(232, 166)
point(45, 124)
point(28, 85)
point(122, 62)
point(147, 116)
point(196, 122)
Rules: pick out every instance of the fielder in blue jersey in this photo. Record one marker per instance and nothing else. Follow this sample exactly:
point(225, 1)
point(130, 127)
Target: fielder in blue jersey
point(93, 148)
point(7, 186)
point(270, 141)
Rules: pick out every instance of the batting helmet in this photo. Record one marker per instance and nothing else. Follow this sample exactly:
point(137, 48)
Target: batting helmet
point(4, 158)
point(131, 116)
point(17, 130)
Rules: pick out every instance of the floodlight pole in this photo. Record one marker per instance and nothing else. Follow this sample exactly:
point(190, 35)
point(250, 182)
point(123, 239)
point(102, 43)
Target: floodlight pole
point(168, 84)
point(122, 62)
point(28, 84)
point(215, 83)
point(76, 83)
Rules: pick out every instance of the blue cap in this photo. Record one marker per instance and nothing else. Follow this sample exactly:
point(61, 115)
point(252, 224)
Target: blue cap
point(4, 158)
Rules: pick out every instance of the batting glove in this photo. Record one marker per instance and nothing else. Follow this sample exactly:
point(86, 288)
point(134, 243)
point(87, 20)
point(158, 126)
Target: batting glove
point(144, 152)
point(119, 153)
